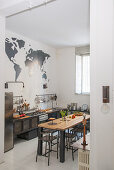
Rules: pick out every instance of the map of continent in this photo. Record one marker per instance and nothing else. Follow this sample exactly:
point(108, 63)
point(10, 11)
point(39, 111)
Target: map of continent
point(37, 56)
point(12, 47)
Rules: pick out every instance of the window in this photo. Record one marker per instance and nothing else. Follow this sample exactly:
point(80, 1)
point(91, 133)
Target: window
point(82, 74)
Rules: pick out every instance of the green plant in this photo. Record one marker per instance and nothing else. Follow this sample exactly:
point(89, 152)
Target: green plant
point(63, 113)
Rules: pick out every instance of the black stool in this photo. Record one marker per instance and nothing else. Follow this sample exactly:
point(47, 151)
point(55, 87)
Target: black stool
point(48, 139)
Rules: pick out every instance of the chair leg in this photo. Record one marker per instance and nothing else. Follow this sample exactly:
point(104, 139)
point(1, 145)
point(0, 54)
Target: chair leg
point(81, 134)
point(51, 141)
point(71, 140)
point(57, 146)
point(67, 143)
point(72, 154)
point(37, 154)
point(49, 153)
point(45, 148)
point(51, 145)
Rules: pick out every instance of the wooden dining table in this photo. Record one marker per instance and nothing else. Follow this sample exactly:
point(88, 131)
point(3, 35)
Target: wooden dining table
point(59, 125)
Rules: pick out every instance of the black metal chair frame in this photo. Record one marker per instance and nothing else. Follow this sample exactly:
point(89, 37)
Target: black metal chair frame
point(70, 135)
point(49, 140)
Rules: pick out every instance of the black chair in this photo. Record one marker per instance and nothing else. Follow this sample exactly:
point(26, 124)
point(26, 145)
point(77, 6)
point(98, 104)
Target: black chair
point(79, 130)
point(49, 138)
point(70, 138)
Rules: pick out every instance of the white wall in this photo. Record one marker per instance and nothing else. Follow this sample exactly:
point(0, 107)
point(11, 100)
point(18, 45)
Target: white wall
point(60, 69)
point(102, 73)
point(66, 78)
point(2, 54)
point(32, 79)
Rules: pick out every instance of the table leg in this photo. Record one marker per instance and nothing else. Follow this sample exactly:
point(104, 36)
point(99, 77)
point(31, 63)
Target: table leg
point(39, 151)
point(62, 146)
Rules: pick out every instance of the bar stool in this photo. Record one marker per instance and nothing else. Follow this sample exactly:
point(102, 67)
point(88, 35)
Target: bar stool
point(48, 139)
point(70, 135)
point(79, 130)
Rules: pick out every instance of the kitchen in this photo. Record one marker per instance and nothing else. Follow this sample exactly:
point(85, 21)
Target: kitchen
point(24, 121)
point(55, 30)
point(38, 87)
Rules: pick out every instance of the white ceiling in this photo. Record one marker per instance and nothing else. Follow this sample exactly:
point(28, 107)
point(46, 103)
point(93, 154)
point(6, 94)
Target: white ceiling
point(59, 24)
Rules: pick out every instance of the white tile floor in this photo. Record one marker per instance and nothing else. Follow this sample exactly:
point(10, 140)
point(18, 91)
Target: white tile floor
point(22, 157)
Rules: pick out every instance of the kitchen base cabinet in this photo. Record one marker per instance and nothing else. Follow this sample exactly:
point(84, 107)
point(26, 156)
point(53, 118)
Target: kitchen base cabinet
point(28, 135)
point(26, 128)
point(17, 127)
point(34, 122)
point(26, 124)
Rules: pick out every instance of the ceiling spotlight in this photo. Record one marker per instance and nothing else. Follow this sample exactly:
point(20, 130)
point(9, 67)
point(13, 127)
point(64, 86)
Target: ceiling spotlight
point(46, 1)
point(30, 5)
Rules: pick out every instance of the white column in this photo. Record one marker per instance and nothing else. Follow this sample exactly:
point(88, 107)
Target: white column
point(102, 69)
point(2, 68)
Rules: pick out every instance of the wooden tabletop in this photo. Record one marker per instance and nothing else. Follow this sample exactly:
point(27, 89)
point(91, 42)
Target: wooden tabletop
point(78, 144)
point(59, 124)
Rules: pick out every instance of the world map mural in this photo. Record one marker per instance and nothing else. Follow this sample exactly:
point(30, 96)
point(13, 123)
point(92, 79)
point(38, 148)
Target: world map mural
point(12, 47)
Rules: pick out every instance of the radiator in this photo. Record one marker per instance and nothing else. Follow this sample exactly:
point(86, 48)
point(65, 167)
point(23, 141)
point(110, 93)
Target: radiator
point(83, 159)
